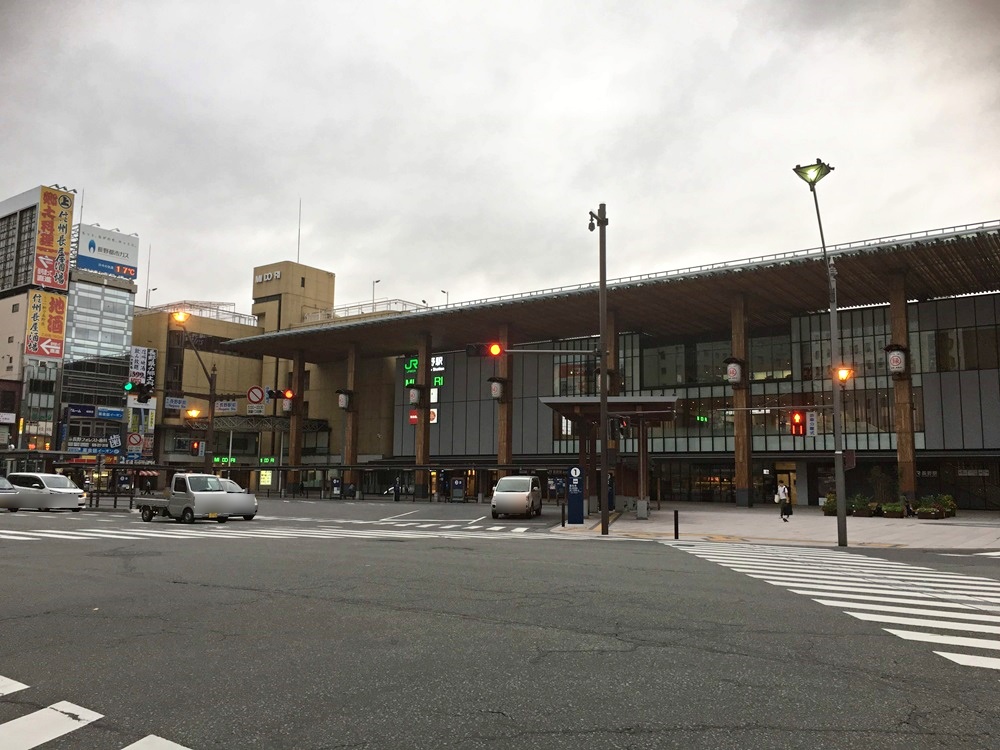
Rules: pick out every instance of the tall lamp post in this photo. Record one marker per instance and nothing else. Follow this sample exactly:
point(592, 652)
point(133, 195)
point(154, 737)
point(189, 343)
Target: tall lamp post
point(446, 296)
point(601, 220)
point(179, 318)
point(812, 174)
point(373, 293)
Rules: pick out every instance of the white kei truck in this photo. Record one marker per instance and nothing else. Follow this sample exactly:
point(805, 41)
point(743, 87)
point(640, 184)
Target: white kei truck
point(190, 497)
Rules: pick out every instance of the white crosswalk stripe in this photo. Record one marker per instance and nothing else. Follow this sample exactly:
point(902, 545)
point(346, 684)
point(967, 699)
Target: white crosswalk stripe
point(58, 720)
point(235, 532)
point(925, 605)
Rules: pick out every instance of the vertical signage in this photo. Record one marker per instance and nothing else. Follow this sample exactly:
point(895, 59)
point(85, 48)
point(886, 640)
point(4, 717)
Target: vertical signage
point(45, 333)
point(55, 220)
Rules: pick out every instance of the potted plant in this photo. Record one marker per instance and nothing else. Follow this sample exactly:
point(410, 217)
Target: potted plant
point(830, 504)
point(928, 509)
point(947, 505)
point(860, 505)
point(893, 510)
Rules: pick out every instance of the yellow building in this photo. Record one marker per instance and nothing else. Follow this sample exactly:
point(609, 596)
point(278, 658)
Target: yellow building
point(250, 425)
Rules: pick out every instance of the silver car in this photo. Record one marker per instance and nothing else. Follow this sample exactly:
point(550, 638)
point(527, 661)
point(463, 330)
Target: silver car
point(244, 503)
point(42, 491)
point(517, 495)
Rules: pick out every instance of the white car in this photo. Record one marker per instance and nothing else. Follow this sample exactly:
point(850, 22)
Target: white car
point(517, 495)
point(246, 505)
point(42, 491)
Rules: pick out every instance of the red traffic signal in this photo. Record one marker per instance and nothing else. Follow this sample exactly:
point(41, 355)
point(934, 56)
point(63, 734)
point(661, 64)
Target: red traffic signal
point(492, 349)
point(288, 393)
point(797, 423)
point(195, 447)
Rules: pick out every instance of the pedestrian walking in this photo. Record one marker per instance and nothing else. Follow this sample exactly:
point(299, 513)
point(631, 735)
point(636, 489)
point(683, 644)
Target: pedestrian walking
point(784, 501)
point(395, 490)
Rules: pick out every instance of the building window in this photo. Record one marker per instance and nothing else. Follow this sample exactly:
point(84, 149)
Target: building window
point(15, 307)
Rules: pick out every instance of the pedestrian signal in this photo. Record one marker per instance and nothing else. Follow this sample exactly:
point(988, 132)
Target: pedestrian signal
point(797, 423)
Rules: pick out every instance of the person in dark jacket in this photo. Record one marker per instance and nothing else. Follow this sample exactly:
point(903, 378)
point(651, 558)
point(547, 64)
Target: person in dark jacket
point(395, 490)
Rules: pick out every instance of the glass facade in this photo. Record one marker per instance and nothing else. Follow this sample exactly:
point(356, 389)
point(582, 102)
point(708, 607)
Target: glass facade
point(99, 322)
point(17, 248)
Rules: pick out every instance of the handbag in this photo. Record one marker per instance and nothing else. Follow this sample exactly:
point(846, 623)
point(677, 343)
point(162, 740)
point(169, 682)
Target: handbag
point(777, 497)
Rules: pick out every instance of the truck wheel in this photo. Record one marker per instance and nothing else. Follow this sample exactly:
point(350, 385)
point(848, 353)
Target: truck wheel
point(248, 518)
point(222, 519)
point(187, 516)
point(147, 513)
point(13, 510)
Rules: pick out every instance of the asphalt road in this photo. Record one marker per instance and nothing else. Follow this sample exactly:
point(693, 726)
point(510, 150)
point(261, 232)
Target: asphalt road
point(329, 625)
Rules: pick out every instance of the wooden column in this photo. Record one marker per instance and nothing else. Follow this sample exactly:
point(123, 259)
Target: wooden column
point(351, 415)
point(643, 460)
point(505, 407)
point(741, 403)
point(906, 462)
point(296, 417)
point(422, 441)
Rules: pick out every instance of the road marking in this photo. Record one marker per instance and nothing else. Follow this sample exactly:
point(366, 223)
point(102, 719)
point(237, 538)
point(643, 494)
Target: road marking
point(225, 532)
point(152, 742)
point(853, 583)
point(8, 686)
point(16, 537)
point(969, 660)
point(948, 640)
point(44, 726)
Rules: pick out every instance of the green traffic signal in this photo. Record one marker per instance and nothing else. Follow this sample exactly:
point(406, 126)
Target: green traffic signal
point(129, 387)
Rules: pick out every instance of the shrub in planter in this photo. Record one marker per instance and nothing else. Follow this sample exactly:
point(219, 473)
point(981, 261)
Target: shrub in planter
point(860, 505)
point(830, 505)
point(947, 504)
point(929, 513)
point(893, 510)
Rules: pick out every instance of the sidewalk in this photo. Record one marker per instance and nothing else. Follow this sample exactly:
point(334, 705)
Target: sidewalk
point(969, 530)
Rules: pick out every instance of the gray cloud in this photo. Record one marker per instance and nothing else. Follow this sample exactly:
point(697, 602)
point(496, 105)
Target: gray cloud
point(461, 146)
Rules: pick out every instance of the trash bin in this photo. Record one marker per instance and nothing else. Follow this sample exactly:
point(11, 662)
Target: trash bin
point(642, 509)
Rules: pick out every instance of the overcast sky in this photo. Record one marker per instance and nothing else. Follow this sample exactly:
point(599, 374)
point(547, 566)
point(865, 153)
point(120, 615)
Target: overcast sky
point(459, 145)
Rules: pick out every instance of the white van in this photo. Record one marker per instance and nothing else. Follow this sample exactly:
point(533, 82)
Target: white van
point(42, 491)
point(517, 495)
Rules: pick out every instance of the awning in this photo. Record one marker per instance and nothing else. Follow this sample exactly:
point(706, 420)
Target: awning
point(149, 473)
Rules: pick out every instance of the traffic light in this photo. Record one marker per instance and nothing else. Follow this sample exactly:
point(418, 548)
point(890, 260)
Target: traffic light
point(288, 393)
point(492, 349)
point(195, 447)
point(797, 423)
point(145, 392)
point(128, 388)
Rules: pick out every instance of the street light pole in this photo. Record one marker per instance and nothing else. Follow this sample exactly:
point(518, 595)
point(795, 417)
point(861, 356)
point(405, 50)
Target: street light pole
point(373, 293)
point(446, 297)
point(812, 174)
point(601, 220)
point(179, 318)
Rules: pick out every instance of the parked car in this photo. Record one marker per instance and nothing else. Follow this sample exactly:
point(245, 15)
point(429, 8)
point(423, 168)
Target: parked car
point(244, 502)
point(517, 495)
point(42, 491)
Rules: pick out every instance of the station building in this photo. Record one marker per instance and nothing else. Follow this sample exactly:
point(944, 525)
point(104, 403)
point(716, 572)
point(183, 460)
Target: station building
point(928, 300)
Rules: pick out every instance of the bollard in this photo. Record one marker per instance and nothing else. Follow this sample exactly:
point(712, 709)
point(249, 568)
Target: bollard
point(562, 512)
point(677, 534)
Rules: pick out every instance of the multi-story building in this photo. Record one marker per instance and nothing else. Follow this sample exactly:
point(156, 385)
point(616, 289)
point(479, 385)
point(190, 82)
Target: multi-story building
point(35, 246)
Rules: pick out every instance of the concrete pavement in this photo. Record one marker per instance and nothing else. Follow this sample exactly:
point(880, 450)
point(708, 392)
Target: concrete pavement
point(979, 530)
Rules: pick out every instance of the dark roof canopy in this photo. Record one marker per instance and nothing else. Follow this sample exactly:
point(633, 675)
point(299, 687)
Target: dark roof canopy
point(675, 304)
